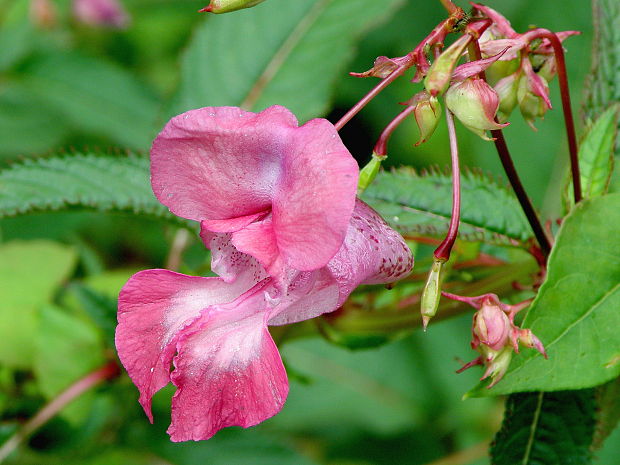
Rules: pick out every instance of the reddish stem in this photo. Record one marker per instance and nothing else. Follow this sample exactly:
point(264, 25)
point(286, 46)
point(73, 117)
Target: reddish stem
point(416, 57)
point(381, 145)
point(513, 176)
point(370, 95)
point(443, 251)
point(566, 105)
point(449, 6)
point(50, 410)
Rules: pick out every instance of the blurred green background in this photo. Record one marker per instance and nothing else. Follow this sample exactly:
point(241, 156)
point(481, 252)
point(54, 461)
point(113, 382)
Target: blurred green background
point(68, 88)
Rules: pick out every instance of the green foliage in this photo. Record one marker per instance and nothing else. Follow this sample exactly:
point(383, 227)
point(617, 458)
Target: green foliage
point(546, 428)
point(596, 156)
point(603, 86)
point(422, 204)
point(575, 313)
point(608, 411)
point(94, 96)
point(30, 272)
point(104, 182)
point(67, 348)
point(21, 116)
point(282, 52)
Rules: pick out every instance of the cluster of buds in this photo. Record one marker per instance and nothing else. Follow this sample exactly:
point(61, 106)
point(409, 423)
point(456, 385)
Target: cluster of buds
point(522, 75)
point(495, 335)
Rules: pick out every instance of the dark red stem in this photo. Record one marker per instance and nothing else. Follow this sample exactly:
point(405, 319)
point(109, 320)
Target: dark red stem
point(443, 251)
point(513, 176)
point(381, 145)
point(566, 106)
point(519, 190)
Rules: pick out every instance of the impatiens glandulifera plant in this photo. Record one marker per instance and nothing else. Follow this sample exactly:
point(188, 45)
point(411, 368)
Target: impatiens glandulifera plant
point(255, 182)
point(289, 241)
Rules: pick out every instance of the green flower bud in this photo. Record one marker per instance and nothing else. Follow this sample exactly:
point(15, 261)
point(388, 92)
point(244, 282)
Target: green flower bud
point(475, 104)
point(501, 69)
point(427, 112)
point(531, 105)
point(432, 292)
point(507, 89)
point(224, 6)
point(368, 172)
point(439, 75)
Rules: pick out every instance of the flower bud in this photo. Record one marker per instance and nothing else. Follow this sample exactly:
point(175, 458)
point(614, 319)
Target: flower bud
point(432, 292)
point(497, 363)
point(427, 114)
point(532, 106)
point(475, 104)
point(491, 326)
point(494, 334)
point(368, 172)
point(501, 69)
point(101, 13)
point(224, 6)
point(507, 90)
point(439, 75)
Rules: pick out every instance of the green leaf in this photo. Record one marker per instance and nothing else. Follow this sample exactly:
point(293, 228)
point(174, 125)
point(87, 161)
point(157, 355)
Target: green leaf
point(96, 97)
point(575, 313)
point(422, 204)
point(66, 350)
point(100, 308)
point(282, 52)
point(596, 156)
point(603, 85)
point(104, 182)
point(21, 116)
point(608, 411)
point(30, 272)
point(546, 428)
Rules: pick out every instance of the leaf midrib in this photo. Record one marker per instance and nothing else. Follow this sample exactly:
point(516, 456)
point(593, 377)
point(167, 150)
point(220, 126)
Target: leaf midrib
point(285, 49)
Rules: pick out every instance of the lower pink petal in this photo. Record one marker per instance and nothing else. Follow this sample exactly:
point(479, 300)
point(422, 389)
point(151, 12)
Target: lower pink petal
point(154, 307)
point(228, 371)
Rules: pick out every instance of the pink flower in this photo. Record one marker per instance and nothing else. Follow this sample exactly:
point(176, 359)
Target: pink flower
point(273, 201)
point(102, 13)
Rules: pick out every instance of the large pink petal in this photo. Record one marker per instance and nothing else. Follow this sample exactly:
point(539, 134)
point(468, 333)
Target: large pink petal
point(154, 307)
point(220, 163)
point(228, 371)
point(315, 196)
point(372, 253)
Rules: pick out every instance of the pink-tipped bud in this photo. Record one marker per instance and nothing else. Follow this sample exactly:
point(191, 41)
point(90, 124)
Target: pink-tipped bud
point(427, 112)
point(527, 338)
point(532, 106)
point(491, 326)
point(494, 334)
point(101, 13)
point(507, 90)
point(440, 74)
point(475, 104)
point(224, 6)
